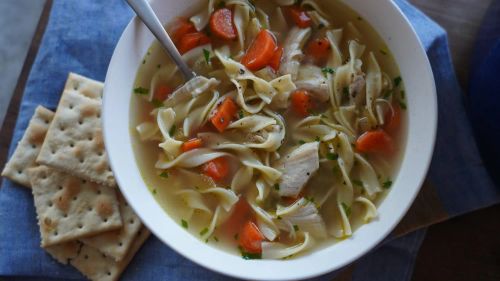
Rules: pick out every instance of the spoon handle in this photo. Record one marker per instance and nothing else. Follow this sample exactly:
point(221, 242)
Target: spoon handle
point(147, 15)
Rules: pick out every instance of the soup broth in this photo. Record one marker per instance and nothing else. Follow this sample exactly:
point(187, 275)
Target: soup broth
point(346, 135)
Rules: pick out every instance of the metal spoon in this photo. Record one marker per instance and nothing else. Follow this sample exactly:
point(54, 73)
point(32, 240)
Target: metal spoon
point(149, 18)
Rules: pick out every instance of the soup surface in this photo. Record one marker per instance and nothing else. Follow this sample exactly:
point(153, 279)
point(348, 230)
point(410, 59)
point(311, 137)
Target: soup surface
point(289, 137)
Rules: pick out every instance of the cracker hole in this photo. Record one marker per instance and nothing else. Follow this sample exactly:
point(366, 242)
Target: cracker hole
point(75, 87)
point(99, 153)
point(103, 255)
point(33, 146)
point(56, 233)
point(74, 198)
point(91, 138)
point(19, 171)
point(89, 209)
point(71, 145)
point(109, 273)
point(105, 220)
point(62, 129)
point(49, 204)
point(59, 187)
point(120, 244)
point(53, 152)
point(98, 191)
point(65, 215)
point(80, 122)
point(84, 181)
point(80, 225)
point(86, 257)
point(46, 122)
point(98, 115)
point(131, 221)
point(81, 160)
point(71, 106)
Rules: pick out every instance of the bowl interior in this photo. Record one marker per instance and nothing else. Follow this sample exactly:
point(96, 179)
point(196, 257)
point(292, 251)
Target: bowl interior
point(401, 39)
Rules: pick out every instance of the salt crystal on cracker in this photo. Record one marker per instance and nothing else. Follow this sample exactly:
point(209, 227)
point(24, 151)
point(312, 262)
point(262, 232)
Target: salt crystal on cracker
point(28, 147)
point(69, 208)
point(116, 243)
point(74, 141)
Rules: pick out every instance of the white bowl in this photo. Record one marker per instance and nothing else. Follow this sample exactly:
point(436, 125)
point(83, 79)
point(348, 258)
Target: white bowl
point(401, 39)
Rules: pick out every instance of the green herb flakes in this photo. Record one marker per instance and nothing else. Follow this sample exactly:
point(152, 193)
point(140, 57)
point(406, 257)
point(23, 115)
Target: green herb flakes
point(397, 81)
point(345, 92)
point(156, 103)
point(301, 142)
point(154, 191)
point(250, 256)
point(141, 91)
point(402, 94)
point(221, 4)
point(184, 224)
point(327, 70)
point(203, 231)
point(383, 52)
point(317, 139)
point(387, 94)
point(387, 184)
point(358, 183)
point(164, 175)
point(241, 114)
point(171, 132)
point(332, 156)
point(346, 208)
point(276, 186)
point(216, 239)
point(295, 227)
point(402, 104)
point(206, 54)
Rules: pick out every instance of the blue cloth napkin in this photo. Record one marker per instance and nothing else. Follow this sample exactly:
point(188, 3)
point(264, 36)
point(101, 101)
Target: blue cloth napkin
point(81, 36)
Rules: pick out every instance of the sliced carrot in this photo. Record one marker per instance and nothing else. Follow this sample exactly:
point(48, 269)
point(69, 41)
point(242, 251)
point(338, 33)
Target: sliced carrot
point(260, 52)
point(318, 50)
point(239, 215)
point(374, 141)
point(224, 115)
point(181, 28)
point(192, 40)
point(191, 144)
point(250, 238)
point(162, 92)
point(217, 168)
point(393, 119)
point(221, 24)
point(298, 16)
point(276, 59)
point(301, 102)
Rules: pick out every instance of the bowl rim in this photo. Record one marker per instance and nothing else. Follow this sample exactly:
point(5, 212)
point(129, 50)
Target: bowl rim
point(276, 268)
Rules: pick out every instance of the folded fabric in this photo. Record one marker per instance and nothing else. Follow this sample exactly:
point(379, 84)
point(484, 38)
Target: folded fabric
point(81, 36)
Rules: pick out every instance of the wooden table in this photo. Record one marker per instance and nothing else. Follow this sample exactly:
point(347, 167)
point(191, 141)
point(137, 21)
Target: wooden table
point(451, 251)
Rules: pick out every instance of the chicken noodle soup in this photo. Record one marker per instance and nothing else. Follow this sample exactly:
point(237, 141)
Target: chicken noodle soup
point(289, 137)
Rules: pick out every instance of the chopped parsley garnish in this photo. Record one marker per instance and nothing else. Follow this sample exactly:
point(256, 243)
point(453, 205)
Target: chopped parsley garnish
point(360, 18)
point(279, 217)
point(158, 66)
point(383, 52)
point(402, 104)
point(221, 4)
point(141, 91)
point(358, 182)
point(320, 26)
point(387, 93)
point(171, 132)
point(157, 103)
point(164, 175)
point(203, 231)
point(216, 239)
point(295, 227)
point(402, 94)
point(154, 191)
point(317, 139)
point(346, 208)
point(310, 199)
point(301, 142)
point(241, 114)
point(249, 256)
point(276, 186)
point(143, 61)
point(206, 54)
point(397, 81)
point(332, 156)
point(387, 184)
point(184, 224)
point(327, 70)
point(345, 92)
